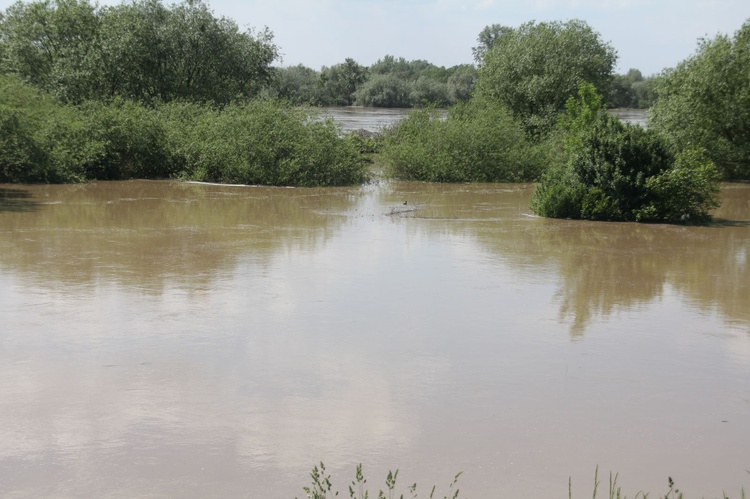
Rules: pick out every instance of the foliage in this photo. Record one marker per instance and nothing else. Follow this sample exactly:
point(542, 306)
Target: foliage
point(461, 83)
point(631, 90)
point(486, 39)
point(535, 68)
point(406, 70)
point(685, 192)
point(40, 140)
point(390, 82)
point(51, 44)
point(705, 102)
point(132, 141)
point(321, 486)
point(297, 84)
point(384, 90)
point(340, 82)
point(478, 142)
point(426, 91)
point(262, 142)
point(141, 50)
point(618, 171)
point(366, 142)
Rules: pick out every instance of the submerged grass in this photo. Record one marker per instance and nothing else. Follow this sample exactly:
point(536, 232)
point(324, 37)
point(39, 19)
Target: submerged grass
point(321, 487)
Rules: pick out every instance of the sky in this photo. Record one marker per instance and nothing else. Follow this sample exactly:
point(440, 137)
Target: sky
point(650, 35)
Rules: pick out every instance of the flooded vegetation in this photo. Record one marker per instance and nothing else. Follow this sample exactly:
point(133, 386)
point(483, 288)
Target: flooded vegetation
point(165, 338)
point(173, 326)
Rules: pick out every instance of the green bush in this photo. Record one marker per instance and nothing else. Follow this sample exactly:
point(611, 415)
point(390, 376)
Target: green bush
point(535, 68)
point(40, 140)
point(618, 171)
point(263, 142)
point(478, 142)
point(133, 141)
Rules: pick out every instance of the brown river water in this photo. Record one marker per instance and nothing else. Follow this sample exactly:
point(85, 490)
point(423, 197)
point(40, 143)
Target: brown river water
point(166, 339)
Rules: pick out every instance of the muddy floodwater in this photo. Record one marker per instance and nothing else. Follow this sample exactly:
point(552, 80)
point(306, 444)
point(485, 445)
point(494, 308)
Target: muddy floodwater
point(166, 339)
point(375, 119)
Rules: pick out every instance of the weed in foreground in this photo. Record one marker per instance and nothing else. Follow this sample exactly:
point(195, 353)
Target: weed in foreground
point(322, 488)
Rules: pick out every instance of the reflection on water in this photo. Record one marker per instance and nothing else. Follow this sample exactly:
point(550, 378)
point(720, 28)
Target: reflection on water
point(14, 199)
point(175, 339)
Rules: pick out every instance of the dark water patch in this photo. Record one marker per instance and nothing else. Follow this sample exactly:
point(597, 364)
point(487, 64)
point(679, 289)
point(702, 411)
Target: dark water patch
point(15, 199)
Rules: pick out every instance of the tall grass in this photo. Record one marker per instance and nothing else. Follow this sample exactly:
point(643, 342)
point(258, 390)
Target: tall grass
point(321, 487)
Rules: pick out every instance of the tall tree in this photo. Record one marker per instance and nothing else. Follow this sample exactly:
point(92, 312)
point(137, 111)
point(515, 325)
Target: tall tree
point(141, 50)
point(339, 82)
point(50, 43)
point(486, 39)
point(535, 68)
point(705, 102)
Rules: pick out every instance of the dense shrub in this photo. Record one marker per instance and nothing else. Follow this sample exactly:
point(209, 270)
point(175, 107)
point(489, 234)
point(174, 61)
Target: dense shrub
point(618, 171)
point(262, 142)
point(133, 141)
point(40, 140)
point(477, 142)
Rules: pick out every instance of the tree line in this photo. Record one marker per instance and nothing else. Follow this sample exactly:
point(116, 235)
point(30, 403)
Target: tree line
point(142, 50)
point(147, 90)
point(390, 82)
point(145, 50)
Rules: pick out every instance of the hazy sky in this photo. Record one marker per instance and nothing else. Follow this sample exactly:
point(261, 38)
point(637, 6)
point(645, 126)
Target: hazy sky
point(648, 34)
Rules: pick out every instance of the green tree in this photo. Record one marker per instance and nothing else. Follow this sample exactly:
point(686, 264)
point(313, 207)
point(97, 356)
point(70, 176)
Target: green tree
point(297, 84)
point(150, 51)
point(142, 50)
point(705, 102)
point(631, 90)
point(426, 91)
point(51, 44)
point(618, 171)
point(486, 39)
point(535, 68)
point(406, 70)
point(341, 81)
point(385, 90)
point(461, 83)
point(263, 142)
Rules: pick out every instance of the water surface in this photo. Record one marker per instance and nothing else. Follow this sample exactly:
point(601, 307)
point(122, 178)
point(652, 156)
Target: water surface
point(374, 119)
point(164, 339)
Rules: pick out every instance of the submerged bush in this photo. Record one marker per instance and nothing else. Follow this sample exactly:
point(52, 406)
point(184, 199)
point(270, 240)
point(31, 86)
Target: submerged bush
point(263, 142)
point(478, 142)
point(618, 171)
point(40, 139)
point(133, 141)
